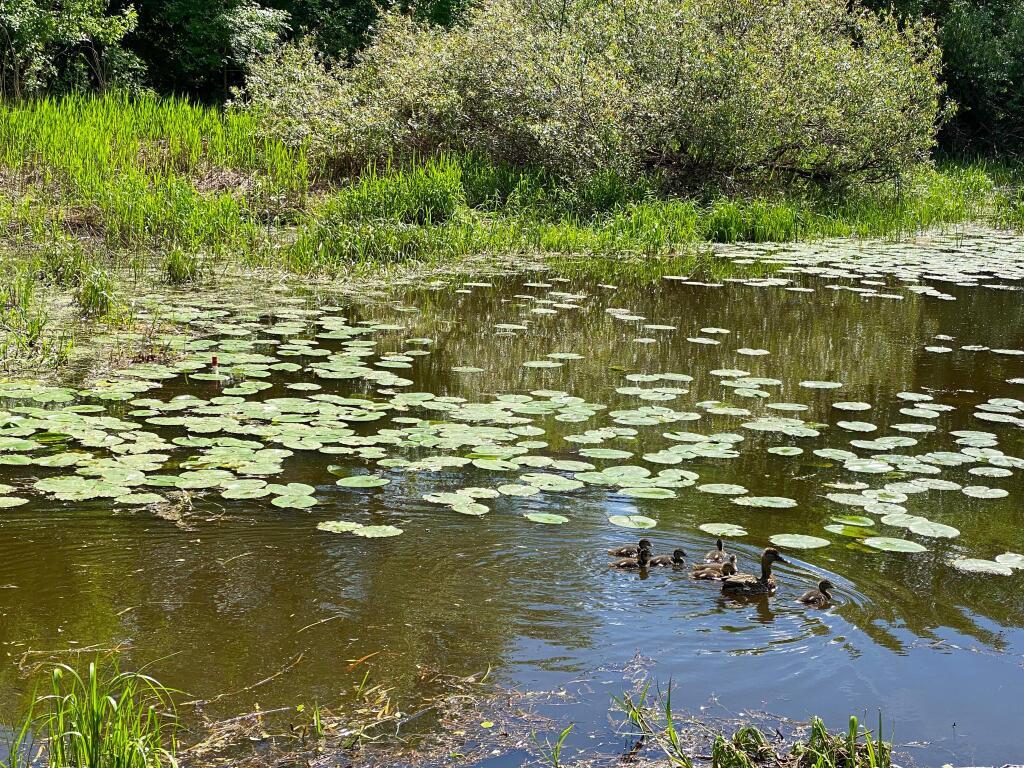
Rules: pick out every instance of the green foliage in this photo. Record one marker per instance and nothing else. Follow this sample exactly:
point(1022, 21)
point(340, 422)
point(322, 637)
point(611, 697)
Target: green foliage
point(702, 92)
point(982, 43)
point(71, 45)
point(183, 267)
point(95, 295)
point(103, 718)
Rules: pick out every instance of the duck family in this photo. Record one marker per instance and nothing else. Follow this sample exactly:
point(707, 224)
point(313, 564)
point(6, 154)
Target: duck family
point(721, 566)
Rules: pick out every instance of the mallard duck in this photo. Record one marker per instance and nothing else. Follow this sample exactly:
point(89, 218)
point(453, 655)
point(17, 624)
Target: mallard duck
point(717, 555)
point(676, 558)
point(745, 584)
point(640, 562)
point(631, 551)
point(715, 570)
point(820, 597)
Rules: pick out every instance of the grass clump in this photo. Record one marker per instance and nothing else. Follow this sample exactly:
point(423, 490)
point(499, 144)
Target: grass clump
point(99, 718)
point(95, 294)
point(183, 267)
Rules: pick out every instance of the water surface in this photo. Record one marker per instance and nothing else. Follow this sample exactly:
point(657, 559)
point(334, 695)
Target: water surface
point(241, 588)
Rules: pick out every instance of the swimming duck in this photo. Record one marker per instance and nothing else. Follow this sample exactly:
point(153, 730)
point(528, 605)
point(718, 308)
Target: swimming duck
point(716, 555)
point(820, 597)
point(715, 570)
point(745, 584)
point(676, 558)
point(631, 551)
point(640, 562)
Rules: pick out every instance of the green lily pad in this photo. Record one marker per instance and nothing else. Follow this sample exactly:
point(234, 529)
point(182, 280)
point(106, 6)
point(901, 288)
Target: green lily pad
point(632, 521)
point(771, 502)
point(724, 489)
point(798, 541)
point(292, 501)
point(723, 529)
point(544, 517)
point(890, 544)
point(977, 565)
point(363, 481)
point(648, 492)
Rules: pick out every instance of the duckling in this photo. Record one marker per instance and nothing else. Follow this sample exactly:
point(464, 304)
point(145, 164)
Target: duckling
point(716, 555)
point(745, 584)
point(640, 562)
point(715, 570)
point(676, 558)
point(820, 597)
point(631, 551)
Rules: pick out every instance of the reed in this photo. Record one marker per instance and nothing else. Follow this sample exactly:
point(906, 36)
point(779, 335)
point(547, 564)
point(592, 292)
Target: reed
point(100, 718)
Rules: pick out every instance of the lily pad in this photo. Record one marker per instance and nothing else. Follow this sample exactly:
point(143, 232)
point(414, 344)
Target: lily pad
point(632, 521)
point(798, 541)
point(977, 565)
point(890, 544)
point(545, 517)
point(723, 529)
point(363, 481)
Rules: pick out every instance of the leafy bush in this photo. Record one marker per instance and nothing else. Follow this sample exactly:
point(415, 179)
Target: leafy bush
point(695, 92)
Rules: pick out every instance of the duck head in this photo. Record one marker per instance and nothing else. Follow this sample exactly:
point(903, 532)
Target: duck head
point(825, 586)
point(645, 544)
point(644, 557)
point(729, 568)
point(719, 546)
point(678, 555)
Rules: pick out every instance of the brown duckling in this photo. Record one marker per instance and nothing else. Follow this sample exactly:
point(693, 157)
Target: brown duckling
point(640, 562)
point(715, 570)
point(717, 555)
point(820, 597)
point(746, 584)
point(631, 551)
point(676, 558)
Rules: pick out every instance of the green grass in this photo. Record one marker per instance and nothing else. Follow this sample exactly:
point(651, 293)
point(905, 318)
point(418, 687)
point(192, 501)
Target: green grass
point(197, 185)
point(98, 718)
point(96, 188)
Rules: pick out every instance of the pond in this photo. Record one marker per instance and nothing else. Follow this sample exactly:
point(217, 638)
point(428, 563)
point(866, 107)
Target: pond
point(484, 443)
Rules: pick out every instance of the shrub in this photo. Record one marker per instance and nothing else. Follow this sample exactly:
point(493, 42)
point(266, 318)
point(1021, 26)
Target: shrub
point(695, 92)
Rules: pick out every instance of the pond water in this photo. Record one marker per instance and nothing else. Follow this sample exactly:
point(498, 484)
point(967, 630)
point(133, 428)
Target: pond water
point(758, 400)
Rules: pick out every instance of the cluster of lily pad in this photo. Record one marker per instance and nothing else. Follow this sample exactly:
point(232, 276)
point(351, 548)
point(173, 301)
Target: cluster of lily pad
point(234, 442)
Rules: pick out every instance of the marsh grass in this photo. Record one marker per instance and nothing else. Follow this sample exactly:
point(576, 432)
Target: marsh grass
point(195, 186)
point(98, 718)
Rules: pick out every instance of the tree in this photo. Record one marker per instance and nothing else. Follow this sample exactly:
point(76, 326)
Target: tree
point(64, 45)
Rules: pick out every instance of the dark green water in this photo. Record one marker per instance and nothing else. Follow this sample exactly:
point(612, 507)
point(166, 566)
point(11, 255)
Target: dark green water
point(241, 587)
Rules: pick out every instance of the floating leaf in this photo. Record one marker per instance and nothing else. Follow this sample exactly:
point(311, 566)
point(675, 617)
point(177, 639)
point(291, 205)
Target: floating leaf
point(648, 493)
point(725, 489)
point(632, 521)
point(798, 541)
point(544, 517)
point(773, 502)
point(976, 565)
point(723, 529)
point(363, 481)
point(889, 544)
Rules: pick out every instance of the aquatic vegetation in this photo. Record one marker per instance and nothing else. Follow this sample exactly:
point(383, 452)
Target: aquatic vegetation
point(97, 717)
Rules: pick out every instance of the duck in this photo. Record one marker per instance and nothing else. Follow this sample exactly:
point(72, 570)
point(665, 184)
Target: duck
point(820, 597)
point(746, 584)
point(640, 562)
point(717, 555)
point(631, 551)
point(676, 558)
point(715, 570)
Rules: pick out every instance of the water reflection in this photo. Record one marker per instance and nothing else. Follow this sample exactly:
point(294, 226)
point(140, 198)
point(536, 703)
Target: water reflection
point(246, 589)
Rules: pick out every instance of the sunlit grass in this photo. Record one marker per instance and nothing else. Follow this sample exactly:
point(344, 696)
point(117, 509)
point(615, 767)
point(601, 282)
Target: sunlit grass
point(193, 186)
point(97, 718)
